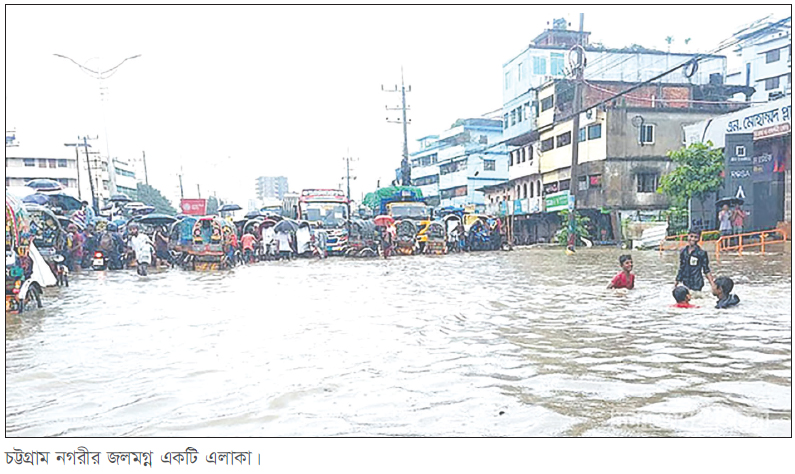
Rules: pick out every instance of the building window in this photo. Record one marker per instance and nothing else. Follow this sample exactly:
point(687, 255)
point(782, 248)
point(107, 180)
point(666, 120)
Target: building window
point(582, 183)
point(63, 181)
point(61, 163)
point(453, 192)
point(531, 189)
point(556, 64)
point(581, 137)
point(489, 165)
point(547, 144)
point(505, 121)
point(8, 182)
point(527, 114)
point(513, 117)
point(42, 163)
point(595, 131)
point(547, 103)
point(538, 188)
point(519, 114)
point(772, 56)
point(739, 151)
point(595, 181)
point(52, 163)
point(483, 140)
point(550, 188)
point(647, 182)
point(646, 134)
point(507, 79)
point(771, 83)
point(519, 72)
point(426, 180)
point(564, 139)
point(539, 65)
point(529, 153)
point(525, 190)
point(29, 161)
point(564, 184)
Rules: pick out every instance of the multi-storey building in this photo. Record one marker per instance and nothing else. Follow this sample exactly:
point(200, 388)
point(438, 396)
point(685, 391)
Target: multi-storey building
point(450, 167)
point(271, 187)
point(765, 55)
point(27, 161)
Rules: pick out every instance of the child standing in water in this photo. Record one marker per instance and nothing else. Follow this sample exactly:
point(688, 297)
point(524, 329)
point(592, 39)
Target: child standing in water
point(625, 278)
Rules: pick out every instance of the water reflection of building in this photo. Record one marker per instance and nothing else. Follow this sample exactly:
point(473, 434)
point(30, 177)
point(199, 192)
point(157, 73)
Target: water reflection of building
point(757, 144)
point(449, 168)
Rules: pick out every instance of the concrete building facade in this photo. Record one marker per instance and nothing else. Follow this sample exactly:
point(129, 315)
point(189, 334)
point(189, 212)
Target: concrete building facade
point(451, 167)
point(271, 187)
point(765, 59)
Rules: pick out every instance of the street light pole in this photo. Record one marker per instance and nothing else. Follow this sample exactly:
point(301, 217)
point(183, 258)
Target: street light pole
point(101, 76)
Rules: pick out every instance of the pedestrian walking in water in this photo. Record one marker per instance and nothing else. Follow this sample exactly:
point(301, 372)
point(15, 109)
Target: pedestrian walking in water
point(693, 262)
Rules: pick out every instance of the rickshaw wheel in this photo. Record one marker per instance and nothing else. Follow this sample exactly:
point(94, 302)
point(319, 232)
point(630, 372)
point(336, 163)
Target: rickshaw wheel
point(33, 294)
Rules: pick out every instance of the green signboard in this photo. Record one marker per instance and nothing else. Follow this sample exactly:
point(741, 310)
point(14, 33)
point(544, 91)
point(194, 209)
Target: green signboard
point(557, 201)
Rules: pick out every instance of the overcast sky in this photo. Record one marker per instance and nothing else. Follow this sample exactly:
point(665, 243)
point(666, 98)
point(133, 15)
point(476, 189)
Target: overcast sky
point(231, 93)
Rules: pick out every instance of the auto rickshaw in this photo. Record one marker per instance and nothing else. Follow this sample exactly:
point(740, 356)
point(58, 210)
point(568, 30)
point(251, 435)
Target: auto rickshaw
point(362, 239)
point(406, 237)
point(207, 252)
point(435, 243)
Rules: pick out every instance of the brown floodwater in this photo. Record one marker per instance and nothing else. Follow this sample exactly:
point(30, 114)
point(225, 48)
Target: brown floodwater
point(521, 343)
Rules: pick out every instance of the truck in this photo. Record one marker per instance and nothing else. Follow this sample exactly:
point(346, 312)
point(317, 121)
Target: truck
point(412, 215)
point(327, 209)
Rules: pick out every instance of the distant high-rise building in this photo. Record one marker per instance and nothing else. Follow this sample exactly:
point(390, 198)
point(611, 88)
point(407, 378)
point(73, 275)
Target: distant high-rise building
point(272, 187)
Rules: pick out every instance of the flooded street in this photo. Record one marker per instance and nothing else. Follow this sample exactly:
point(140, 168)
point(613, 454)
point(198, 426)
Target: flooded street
point(522, 343)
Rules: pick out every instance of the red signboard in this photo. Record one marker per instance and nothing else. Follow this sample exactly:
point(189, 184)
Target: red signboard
point(194, 207)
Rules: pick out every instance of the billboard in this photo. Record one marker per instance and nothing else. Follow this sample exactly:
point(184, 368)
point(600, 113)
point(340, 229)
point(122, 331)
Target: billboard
point(193, 207)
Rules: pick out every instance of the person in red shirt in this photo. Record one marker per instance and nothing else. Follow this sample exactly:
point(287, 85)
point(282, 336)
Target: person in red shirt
point(682, 297)
point(247, 242)
point(625, 278)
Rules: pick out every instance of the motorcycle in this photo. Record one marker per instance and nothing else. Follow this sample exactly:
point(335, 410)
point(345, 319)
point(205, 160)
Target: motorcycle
point(99, 261)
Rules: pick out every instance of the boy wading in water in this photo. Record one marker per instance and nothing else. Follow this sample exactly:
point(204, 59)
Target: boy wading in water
point(625, 278)
point(682, 297)
point(693, 261)
point(723, 290)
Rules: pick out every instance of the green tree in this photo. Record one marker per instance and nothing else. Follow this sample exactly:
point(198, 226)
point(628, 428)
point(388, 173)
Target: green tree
point(698, 174)
point(580, 229)
point(212, 205)
point(152, 197)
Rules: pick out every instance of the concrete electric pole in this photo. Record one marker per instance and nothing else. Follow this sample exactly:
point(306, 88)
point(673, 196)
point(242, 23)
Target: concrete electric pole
point(574, 184)
point(405, 169)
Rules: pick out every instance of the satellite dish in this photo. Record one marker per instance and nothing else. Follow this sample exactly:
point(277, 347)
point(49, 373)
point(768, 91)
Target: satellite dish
point(637, 121)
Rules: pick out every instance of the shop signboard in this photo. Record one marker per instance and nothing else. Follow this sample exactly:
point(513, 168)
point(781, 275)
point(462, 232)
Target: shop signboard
point(557, 201)
point(193, 207)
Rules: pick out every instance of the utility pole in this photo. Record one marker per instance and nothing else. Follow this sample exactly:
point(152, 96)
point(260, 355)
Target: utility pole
point(348, 176)
point(146, 174)
point(181, 192)
point(405, 169)
point(85, 145)
point(575, 141)
point(198, 190)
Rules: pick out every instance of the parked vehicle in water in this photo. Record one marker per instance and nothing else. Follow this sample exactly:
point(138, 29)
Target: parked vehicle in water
point(48, 235)
point(206, 251)
point(327, 209)
point(362, 239)
point(26, 271)
point(436, 239)
point(99, 260)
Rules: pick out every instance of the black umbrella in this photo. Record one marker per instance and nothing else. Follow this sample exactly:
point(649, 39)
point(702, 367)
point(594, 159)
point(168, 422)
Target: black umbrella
point(731, 201)
point(157, 219)
point(40, 199)
point(62, 200)
point(121, 197)
point(44, 184)
point(286, 226)
point(252, 214)
point(229, 208)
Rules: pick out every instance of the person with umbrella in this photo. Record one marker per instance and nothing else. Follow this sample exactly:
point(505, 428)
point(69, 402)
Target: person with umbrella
point(724, 217)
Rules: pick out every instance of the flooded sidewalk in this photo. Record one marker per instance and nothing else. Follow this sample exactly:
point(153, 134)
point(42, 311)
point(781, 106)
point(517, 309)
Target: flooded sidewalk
point(521, 343)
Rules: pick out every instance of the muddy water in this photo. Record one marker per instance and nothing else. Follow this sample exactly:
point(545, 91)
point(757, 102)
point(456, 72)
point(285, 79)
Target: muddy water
point(522, 343)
